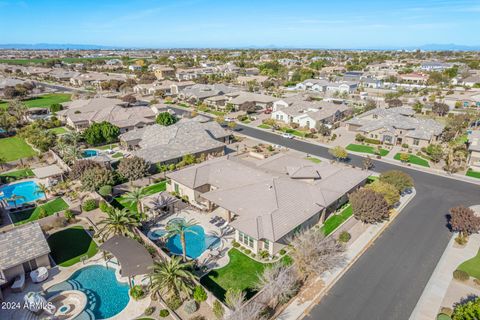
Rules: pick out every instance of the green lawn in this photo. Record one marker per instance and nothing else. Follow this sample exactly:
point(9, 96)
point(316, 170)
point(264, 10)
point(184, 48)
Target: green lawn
point(14, 148)
point(69, 245)
point(472, 266)
point(264, 126)
point(17, 175)
point(365, 149)
point(117, 155)
point(240, 273)
point(473, 174)
point(294, 132)
point(44, 101)
point(120, 202)
point(414, 160)
point(313, 159)
point(107, 146)
point(59, 130)
point(51, 207)
point(334, 221)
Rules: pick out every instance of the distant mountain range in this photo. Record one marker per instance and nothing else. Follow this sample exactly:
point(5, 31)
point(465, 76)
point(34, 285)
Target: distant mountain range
point(71, 46)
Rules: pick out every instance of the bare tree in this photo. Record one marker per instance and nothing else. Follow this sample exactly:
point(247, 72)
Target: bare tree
point(369, 206)
point(234, 298)
point(314, 254)
point(278, 283)
point(464, 221)
point(251, 311)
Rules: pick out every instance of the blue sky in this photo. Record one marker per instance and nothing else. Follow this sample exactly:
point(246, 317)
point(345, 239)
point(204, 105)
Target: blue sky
point(232, 23)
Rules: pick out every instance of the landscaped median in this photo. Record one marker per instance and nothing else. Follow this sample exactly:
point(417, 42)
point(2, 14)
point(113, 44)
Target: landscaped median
point(366, 149)
point(413, 159)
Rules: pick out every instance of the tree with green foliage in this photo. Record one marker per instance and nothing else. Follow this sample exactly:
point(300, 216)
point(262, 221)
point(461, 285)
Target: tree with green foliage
point(55, 107)
point(101, 133)
point(199, 294)
point(133, 168)
point(400, 180)
point(133, 197)
point(180, 228)
point(440, 108)
point(42, 189)
point(469, 310)
point(166, 119)
point(435, 152)
point(404, 157)
point(369, 206)
point(118, 222)
point(389, 192)
point(417, 107)
point(94, 178)
point(339, 153)
point(172, 278)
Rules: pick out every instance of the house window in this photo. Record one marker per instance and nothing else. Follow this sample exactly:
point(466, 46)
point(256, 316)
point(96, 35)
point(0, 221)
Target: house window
point(308, 124)
point(246, 240)
point(416, 142)
point(266, 245)
point(177, 188)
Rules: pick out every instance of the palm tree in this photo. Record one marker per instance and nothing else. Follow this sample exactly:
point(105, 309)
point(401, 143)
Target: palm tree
point(42, 189)
point(62, 147)
point(172, 278)
point(180, 227)
point(134, 197)
point(119, 222)
point(2, 162)
point(14, 198)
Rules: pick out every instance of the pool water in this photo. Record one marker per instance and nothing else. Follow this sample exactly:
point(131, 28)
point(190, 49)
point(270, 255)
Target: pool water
point(89, 153)
point(26, 189)
point(196, 242)
point(106, 296)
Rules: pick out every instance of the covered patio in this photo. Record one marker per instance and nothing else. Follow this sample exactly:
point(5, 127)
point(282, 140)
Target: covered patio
point(133, 258)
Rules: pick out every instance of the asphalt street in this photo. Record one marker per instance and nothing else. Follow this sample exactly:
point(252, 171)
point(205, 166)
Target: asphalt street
point(388, 279)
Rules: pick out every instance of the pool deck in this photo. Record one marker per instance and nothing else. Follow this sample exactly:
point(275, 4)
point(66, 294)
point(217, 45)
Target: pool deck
point(59, 274)
point(203, 220)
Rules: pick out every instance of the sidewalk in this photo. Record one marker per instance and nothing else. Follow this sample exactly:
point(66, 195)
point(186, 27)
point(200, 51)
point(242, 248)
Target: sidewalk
point(430, 301)
point(299, 306)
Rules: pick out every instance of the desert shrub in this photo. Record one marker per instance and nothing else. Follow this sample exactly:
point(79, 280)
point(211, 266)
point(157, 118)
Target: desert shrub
point(105, 191)
point(218, 309)
point(447, 311)
point(164, 313)
point(248, 251)
point(199, 294)
point(264, 254)
point(104, 206)
point(136, 292)
point(235, 244)
point(460, 275)
point(149, 311)
point(344, 237)
point(42, 213)
point(190, 306)
point(68, 214)
point(282, 252)
point(173, 302)
point(461, 240)
point(89, 205)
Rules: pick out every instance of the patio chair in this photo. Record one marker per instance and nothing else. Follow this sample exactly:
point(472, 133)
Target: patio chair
point(220, 222)
point(214, 219)
point(19, 283)
point(39, 275)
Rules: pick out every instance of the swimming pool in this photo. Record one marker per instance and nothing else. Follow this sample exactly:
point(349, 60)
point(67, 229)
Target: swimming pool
point(196, 242)
point(26, 190)
point(106, 296)
point(89, 153)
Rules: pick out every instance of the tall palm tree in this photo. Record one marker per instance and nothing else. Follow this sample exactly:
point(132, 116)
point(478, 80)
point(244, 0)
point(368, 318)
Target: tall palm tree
point(42, 189)
point(14, 198)
point(119, 222)
point(180, 227)
point(172, 278)
point(62, 147)
point(134, 197)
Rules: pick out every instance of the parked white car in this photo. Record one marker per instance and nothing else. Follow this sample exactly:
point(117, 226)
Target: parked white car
point(229, 119)
point(287, 135)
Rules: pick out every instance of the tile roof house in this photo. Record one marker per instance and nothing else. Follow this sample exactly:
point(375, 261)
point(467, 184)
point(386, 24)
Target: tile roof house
point(474, 149)
point(267, 201)
point(80, 114)
point(309, 114)
point(396, 126)
point(168, 144)
point(22, 249)
point(200, 92)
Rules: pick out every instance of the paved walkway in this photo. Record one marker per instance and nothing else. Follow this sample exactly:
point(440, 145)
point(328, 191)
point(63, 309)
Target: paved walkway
point(300, 306)
point(430, 302)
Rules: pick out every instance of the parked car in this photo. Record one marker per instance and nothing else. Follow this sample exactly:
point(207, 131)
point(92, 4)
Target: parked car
point(229, 119)
point(287, 135)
